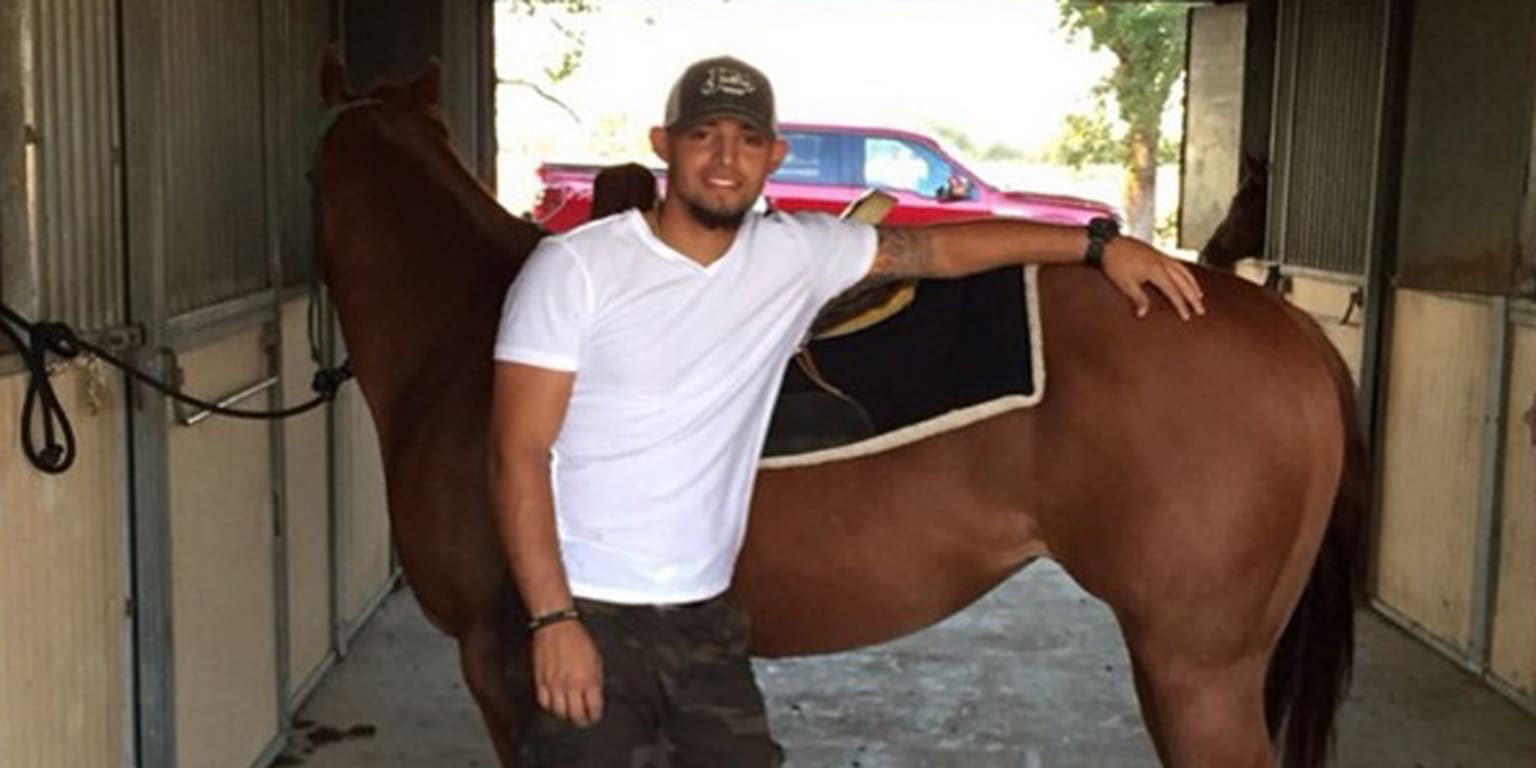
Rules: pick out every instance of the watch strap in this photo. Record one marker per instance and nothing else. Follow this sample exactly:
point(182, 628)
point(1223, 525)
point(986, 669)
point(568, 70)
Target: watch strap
point(1101, 230)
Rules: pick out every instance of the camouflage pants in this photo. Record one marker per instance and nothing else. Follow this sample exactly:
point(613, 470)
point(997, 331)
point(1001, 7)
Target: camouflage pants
point(678, 692)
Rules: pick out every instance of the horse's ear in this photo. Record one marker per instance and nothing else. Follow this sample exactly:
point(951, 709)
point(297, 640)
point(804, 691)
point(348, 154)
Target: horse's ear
point(428, 86)
point(333, 77)
point(1254, 165)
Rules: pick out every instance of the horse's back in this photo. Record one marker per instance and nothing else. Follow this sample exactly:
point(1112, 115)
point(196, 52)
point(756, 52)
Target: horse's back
point(1203, 443)
point(1249, 351)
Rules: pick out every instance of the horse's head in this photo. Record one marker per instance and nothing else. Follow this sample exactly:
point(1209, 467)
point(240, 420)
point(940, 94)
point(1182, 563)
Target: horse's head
point(1241, 233)
point(381, 166)
point(410, 110)
point(386, 169)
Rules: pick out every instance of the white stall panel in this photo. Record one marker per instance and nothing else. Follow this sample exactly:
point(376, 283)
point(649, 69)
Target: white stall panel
point(221, 567)
point(1329, 304)
point(307, 530)
point(62, 593)
point(1436, 394)
point(1514, 626)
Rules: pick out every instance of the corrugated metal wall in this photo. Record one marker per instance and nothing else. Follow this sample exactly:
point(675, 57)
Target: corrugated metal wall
point(215, 229)
point(78, 171)
point(297, 34)
point(1326, 137)
point(17, 278)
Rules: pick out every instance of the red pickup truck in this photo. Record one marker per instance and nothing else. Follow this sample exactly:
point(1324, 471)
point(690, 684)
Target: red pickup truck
point(829, 166)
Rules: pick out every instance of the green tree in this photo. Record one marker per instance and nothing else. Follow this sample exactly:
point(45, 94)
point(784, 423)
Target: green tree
point(1147, 40)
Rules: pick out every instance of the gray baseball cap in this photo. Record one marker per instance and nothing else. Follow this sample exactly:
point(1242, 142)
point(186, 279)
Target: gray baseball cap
point(721, 86)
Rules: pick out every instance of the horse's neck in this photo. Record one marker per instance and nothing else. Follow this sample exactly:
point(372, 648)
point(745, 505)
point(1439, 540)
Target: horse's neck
point(419, 258)
point(508, 235)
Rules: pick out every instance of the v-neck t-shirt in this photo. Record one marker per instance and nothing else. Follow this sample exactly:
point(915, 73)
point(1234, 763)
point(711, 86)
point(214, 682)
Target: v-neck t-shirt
point(676, 369)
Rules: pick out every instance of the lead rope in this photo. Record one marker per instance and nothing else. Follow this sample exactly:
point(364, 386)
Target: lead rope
point(55, 453)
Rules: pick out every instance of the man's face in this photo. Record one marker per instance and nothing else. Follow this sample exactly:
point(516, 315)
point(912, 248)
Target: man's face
point(717, 168)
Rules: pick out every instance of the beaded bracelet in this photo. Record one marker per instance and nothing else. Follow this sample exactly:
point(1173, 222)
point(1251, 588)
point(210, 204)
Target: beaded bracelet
point(553, 617)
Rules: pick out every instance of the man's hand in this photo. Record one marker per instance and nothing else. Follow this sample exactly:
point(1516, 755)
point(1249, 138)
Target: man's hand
point(568, 673)
point(1130, 264)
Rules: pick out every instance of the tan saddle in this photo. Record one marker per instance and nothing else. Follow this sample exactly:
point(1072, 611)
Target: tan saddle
point(864, 305)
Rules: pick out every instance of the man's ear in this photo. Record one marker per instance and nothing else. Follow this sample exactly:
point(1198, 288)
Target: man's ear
point(660, 145)
point(777, 154)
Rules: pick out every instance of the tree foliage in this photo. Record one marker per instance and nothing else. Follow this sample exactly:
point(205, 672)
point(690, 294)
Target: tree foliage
point(1147, 40)
point(1092, 138)
point(1089, 139)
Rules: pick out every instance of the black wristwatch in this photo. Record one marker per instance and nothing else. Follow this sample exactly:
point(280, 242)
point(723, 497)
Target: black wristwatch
point(1101, 230)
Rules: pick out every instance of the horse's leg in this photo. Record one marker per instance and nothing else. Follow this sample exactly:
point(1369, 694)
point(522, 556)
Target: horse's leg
point(493, 662)
point(1200, 654)
point(453, 563)
point(1200, 711)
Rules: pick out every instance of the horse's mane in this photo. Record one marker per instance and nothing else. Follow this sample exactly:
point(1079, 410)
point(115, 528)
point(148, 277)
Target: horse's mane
point(409, 117)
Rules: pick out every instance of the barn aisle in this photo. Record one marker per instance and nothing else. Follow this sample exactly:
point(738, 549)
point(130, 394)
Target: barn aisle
point(1032, 676)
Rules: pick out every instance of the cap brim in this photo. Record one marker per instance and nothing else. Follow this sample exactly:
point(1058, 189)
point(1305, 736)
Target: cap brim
point(725, 110)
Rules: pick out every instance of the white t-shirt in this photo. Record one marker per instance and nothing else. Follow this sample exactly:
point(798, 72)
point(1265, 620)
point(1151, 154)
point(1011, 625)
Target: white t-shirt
point(677, 366)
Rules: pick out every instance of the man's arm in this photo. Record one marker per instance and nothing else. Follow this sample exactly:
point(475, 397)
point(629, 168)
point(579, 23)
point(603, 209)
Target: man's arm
point(527, 406)
point(966, 248)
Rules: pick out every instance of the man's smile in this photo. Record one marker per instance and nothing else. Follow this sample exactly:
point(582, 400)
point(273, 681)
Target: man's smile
point(722, 182)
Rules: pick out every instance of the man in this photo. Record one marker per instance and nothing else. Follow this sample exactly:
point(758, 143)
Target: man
point(638, 359)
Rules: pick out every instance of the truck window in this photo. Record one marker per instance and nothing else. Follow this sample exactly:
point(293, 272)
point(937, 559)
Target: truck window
point(903, 165)
point(812, 159)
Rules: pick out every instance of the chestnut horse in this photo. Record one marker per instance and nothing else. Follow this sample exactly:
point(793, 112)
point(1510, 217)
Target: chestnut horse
point(1205, 480)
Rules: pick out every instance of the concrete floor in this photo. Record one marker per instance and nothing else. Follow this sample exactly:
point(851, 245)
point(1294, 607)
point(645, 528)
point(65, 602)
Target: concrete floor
point(1031, 676)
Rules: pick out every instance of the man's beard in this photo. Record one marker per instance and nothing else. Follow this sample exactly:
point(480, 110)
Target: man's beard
point(711, 218)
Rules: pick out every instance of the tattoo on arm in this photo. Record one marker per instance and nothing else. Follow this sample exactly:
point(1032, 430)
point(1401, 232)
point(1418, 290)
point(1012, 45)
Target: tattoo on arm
point(903, 252)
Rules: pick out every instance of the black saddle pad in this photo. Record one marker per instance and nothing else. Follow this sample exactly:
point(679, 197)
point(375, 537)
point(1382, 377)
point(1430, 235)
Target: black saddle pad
point(960, 342)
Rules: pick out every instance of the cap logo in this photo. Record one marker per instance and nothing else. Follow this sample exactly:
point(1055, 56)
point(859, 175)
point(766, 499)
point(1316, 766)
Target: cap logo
point(729, 81)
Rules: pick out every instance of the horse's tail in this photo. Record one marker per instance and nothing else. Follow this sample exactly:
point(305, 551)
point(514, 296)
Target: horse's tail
point(1309, 671)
